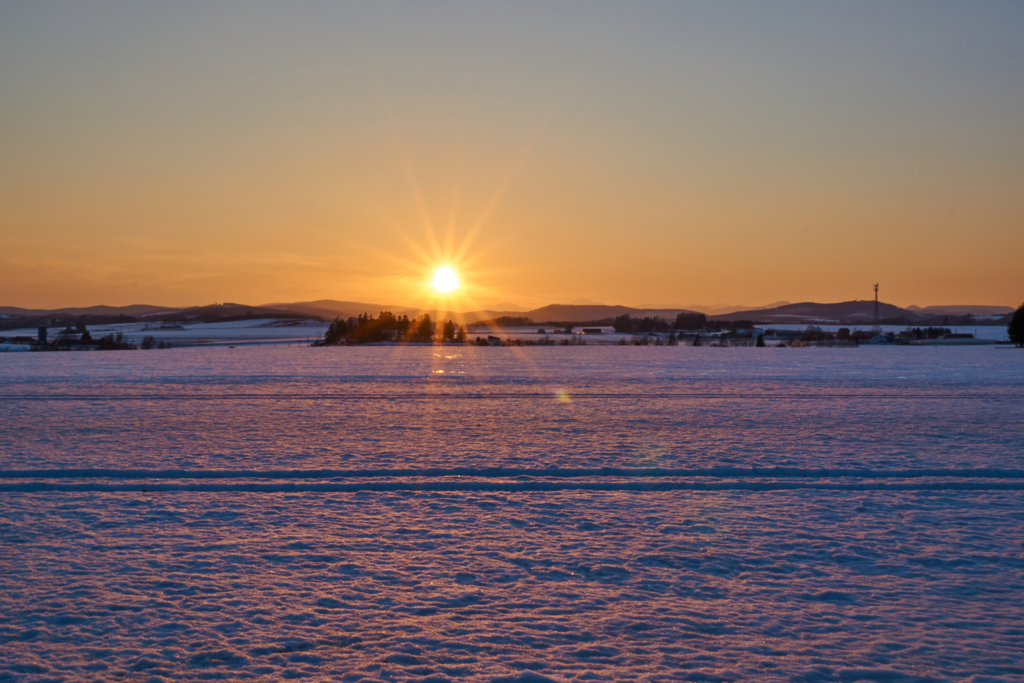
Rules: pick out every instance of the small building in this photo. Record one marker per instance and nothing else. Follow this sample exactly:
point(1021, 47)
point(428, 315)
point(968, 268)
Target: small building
point(783, 335)
point(592, 330)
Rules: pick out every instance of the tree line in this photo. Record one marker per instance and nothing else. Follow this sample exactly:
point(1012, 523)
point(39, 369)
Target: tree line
point(388, 327)
point(684, 322)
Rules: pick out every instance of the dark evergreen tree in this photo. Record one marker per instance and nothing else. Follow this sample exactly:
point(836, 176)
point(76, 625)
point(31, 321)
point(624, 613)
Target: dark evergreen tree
point(115, 343)
point(760, 339)
point(424, 329)
point(336, 332)
point(691, 321)
point(623, 324)
point(512, 321)
point(1016, 327)
point(648, 325)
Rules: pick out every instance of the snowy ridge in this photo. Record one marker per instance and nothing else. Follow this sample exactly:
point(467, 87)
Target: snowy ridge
point(496, 472)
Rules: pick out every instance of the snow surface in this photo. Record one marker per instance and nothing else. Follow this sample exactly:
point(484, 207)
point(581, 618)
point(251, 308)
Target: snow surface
point(513, 514)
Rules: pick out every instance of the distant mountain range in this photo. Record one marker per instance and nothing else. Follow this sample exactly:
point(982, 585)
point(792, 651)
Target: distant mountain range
point(564, 313)
point(98, 315)
point(133, 310)
point(961, 310)
point(716, 309)
point(863, 313)
point(570, 313)
point(846, 312)
point(329, 309)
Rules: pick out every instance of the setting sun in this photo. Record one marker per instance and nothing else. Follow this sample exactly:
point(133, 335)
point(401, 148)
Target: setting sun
point(445, 280)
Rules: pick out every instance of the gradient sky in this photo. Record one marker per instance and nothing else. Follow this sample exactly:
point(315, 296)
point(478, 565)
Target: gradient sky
point(186, 153)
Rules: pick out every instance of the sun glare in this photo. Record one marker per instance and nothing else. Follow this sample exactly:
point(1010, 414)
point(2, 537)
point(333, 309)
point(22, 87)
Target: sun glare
point(445, 280)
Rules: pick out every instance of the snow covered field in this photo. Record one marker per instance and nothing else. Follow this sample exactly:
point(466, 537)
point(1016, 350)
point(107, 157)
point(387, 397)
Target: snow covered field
point(376, 513)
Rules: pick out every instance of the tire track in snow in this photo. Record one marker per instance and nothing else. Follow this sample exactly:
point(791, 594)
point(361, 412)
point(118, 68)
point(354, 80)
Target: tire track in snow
point(503, 396)
point(515, 487)
point(505, 472)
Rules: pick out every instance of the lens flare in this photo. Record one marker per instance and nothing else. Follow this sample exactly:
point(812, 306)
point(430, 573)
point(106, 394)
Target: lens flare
point(445, 280)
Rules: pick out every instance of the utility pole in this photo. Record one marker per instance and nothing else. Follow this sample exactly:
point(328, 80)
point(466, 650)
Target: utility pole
point(878, 328)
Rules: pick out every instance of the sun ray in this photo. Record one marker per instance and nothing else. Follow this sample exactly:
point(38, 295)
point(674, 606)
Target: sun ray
point(414, 187)
point(505, 184)
point(441, 247)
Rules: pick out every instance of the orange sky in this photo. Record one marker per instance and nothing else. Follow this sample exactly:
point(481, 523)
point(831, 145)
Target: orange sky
point(691, 153)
